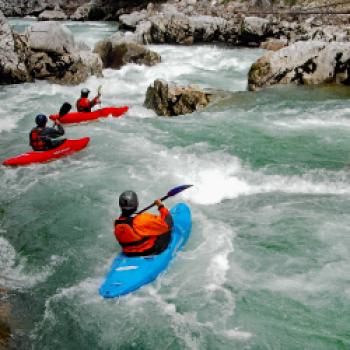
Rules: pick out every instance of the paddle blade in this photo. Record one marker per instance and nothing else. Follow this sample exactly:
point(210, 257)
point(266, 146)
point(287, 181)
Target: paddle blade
point(65, 108)
point(177, 190)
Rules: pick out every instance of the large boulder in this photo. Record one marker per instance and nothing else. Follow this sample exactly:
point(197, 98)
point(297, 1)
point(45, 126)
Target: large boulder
point(47, 50)
point(168, 99)
point(308, 63)
point(52, 15)
point(12, 68)
point(254, 30)
point(115, 54)
point(50, 36)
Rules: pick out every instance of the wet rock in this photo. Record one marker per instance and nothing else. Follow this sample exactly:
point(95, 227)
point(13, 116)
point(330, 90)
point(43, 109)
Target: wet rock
point(308, 63)
point(168, 99)
point(5, 330)
point(273, 44)
point(82, 13)
point(5, 335)
point(12, 67)
point(56, 56)
point(116, 54)
point(52, 15)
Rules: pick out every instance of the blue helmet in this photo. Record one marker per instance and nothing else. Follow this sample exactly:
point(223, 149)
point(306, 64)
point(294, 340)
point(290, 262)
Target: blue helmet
point(41, 120)
point(85, 92)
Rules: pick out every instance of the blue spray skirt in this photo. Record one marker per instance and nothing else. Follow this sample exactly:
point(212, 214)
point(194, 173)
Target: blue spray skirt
point(130, 273)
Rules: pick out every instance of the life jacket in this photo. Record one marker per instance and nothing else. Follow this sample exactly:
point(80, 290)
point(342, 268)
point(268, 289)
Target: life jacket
point(36, 141)
point(140, 234)
point(84, 105)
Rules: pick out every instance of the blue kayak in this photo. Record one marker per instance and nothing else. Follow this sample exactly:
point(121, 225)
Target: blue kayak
point(130, 273)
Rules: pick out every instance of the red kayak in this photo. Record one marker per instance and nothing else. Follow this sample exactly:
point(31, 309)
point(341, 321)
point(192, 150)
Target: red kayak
point(78, 117)
point(67, 148)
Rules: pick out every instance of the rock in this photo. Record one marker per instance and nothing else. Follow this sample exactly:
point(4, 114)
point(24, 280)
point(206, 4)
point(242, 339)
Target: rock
point(130, 21)
point(82, 13)
point(168, 99)
point(273, 44)
point(54, 15)
point(5, 335)
point(261, 3)
point(254, 30)
point(50, 37)
point(185, 30)
point(12, 68)
point(115, 55)
point(331, 33)
point(54, 54)
point(308, 63)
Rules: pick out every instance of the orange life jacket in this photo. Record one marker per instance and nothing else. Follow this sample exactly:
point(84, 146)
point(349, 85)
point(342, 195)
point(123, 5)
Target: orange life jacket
point(140, 233)
point(36, 141)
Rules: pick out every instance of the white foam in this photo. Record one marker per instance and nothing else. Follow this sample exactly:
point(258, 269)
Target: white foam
point(217, 176)
point(7, 123)
point(237, 334)
point(313, 123)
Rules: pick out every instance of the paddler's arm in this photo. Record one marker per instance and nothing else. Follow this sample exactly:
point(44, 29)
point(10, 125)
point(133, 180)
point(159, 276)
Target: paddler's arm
point(164, 213)
point(53, 132)
point(95, 101)
point(162, 209)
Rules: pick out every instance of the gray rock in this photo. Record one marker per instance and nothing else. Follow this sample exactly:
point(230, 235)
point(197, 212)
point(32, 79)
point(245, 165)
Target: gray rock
point(308, 63)
point(53, 15)
point(131, 20)
point(168, 99)
point(46, 51)
point(115, 55)
point(50, 37)
point(12, 68)
point(82, 13)
point(254, 30)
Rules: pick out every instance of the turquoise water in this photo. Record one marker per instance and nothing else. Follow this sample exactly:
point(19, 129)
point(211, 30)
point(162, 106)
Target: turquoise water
point(267, 264)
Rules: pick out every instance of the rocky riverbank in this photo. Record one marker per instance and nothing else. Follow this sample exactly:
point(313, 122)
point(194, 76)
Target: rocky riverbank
point(184, 22)
point(47, 50)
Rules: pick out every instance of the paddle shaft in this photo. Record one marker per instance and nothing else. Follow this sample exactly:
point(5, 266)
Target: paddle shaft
point(152, 205)
point(173, 192)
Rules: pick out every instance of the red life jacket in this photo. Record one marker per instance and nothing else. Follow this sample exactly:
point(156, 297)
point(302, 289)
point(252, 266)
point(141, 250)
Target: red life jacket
point(84, 105)
point(139, 234)
point(36, 141)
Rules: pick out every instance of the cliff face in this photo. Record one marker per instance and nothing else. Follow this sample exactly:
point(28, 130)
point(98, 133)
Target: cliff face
point(100, 8)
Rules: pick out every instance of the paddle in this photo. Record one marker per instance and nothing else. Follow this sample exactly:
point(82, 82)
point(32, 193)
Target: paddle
point(65, 108)
point(173, 192)
point(99, 93)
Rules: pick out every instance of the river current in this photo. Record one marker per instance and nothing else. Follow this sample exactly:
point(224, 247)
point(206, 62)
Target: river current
point(267, 264)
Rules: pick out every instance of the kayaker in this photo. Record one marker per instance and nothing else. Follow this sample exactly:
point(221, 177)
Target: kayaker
point(84, 104)
point(143, 234)
point(42, 138)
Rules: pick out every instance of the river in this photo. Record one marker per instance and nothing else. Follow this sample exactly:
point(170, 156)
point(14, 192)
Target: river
point(267, 264)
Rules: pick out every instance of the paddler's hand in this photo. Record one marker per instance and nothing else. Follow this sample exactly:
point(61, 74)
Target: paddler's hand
point(57, 122)
point(158, 203)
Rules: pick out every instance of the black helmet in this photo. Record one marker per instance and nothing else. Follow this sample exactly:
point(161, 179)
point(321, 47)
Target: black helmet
point(85, 92)
point(128, 201)
point(41, 120)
